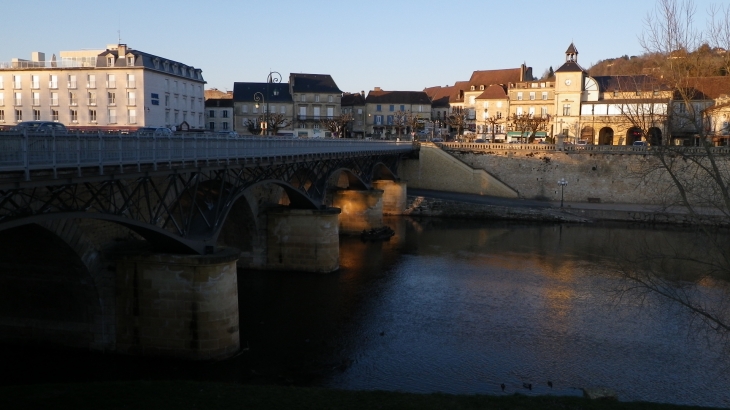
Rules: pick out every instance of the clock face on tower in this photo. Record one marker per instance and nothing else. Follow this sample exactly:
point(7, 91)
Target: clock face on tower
point(567, 82)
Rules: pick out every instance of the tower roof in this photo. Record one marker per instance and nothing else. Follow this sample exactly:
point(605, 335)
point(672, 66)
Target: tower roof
point(571, 49)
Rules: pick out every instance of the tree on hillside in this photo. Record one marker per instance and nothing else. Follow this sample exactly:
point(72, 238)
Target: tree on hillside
point(549, 74)
point(697, 180)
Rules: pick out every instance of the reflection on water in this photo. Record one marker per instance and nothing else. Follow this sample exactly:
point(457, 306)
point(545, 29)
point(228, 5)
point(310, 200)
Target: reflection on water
point(455, 307)
point(462, 307)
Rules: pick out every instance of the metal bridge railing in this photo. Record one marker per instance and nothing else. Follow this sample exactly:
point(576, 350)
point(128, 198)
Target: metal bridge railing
point(28, 152)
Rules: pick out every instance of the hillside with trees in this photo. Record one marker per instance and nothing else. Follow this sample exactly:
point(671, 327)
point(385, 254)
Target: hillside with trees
point(704, 61)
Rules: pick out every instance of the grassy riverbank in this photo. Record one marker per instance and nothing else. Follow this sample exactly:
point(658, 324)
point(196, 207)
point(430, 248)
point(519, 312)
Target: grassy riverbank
point(202, 395)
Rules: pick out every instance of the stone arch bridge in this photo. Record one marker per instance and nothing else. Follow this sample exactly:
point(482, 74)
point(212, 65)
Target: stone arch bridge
point(188, 200)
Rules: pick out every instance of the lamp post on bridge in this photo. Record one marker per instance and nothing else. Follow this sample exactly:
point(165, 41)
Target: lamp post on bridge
point(274, 77)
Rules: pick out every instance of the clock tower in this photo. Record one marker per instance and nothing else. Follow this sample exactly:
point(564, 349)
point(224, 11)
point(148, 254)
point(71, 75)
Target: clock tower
point(569, 88)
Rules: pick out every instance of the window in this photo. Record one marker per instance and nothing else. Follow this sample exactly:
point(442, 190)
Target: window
point(36, 98)
point(378, 108)
point(391, 108)
point(111, 98)
point(316, 98)
point(420, 108)
point(330, 98)
point(255, 109)
point(2, 99)
point(132, 115)
point(519, 111)
point(2, 84)
point(359, 111)
point(112, 115)
point(499, 104)
point(130, 81)
point(566, 109)
point(91, 81)
point(224, 125)
point(17, 82)
point(402, 107)
point(378, 119)
point(2, 115)
point(167, 100)
point(36, 115)
point(544, 95)
point(303, 98)
point(92, 115)
point(532, 95)
point(111, 81)
point(18, 115)
point(130, 61)
point(74, 114)
point(519, 96)
point(72, 81)
point(211, 125)
point(389, 120)
point(72, 98)
point(316, 113)
point(131, 99)
point(543, 111)
point(18, 98)
point(53, 82)
point(244, 109)
point(282, 110)
point(35, 82)
point(54, 115)
point(531, 111)
point(211, 113)
point(224, 114)
point(91, 95)
point(110, 61)
point(472, 100)
point(499, 114)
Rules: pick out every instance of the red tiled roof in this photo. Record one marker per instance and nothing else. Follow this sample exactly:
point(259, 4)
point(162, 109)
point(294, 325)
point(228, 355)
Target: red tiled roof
point(489, 77)
point(493, 92)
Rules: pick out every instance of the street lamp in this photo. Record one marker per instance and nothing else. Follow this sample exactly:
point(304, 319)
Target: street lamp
point(257, 96)
point(273, 77)
point(562, 182)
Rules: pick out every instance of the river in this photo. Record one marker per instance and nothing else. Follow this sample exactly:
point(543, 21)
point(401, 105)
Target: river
point(460, 307)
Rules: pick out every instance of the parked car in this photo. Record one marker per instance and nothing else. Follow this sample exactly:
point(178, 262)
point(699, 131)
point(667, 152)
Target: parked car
point(437, 139)
point(232, 134)
point(480, 141)
point(46, 127)
point(640, 144)
point(581, 142)
point(155, 131)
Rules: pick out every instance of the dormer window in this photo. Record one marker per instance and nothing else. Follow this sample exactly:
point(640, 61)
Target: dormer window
point(130, 61)
point(110, 61)
point(167, 66)
point(157, 63)
point(481, 88)
point(472, 88)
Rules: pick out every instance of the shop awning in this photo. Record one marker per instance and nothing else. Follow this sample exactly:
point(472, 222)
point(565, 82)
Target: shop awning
point(540, 134)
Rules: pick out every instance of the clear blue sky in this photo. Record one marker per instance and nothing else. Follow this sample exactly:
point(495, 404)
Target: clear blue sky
point(392, 44)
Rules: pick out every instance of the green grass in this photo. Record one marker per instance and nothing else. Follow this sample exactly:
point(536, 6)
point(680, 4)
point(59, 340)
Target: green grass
point(202, 395)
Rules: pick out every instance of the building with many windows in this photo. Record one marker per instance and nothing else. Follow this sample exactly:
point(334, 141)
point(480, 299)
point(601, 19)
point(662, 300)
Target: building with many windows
point(114, 88)
point(219, 114)
point(316, 97)
point(388, 111)
point(260, 106)
point(354, 104)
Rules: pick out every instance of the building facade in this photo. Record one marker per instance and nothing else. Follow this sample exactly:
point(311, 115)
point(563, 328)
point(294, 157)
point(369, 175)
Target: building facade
point(354, 105)
point(388, 112)
point(315, 97)
point(219, 114)
point(258, 108)
point(115, 88)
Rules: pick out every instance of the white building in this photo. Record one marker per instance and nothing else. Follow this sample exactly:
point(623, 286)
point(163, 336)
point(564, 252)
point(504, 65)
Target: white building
point(116, 89)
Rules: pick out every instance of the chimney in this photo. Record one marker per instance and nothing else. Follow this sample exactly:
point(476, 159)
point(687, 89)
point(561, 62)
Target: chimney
point(377, 89)
point(121, 50)
point(37, 57)
point(362, 93)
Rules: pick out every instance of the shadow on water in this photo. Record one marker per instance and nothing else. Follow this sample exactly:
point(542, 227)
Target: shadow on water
point(451, 306)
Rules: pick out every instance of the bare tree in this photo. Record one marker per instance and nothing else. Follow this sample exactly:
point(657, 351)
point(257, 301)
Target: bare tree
point(414, 122)
point(337, 125)
point(458, 119)
point(400, 121)
point(493, 121)
point(276, 122)
point(696, 180)
point(255, 126)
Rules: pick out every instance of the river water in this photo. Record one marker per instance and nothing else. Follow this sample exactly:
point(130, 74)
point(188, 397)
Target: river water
point(459, 307)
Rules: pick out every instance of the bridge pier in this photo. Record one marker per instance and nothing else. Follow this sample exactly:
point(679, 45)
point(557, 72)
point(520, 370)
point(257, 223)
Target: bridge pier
point(303, 239)
point(361, 209)
point(395, 196)
point(183, 306)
